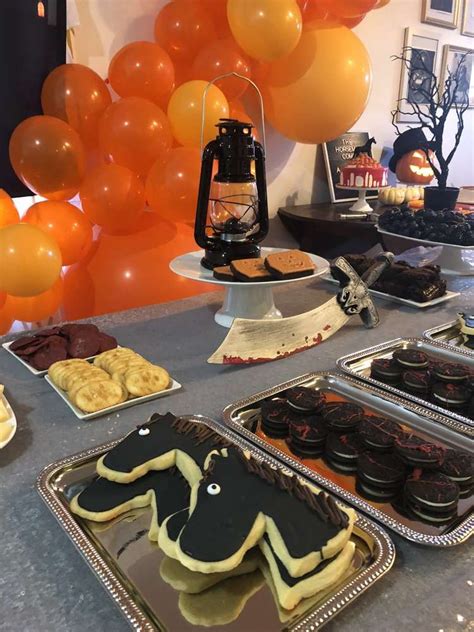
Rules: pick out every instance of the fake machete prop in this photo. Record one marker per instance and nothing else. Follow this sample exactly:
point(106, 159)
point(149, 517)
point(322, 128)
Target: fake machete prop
point(252, 341)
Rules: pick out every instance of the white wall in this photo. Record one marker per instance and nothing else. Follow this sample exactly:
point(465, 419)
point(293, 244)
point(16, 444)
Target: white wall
point(295, 172)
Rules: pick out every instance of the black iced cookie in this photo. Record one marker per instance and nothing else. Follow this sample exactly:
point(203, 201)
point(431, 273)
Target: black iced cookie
point(417, 381)
point(451, 372)
point(342, 416)
point(458, 466)
point(378, 470)
point(308, 434)
point(431, 492)
point(344, 449)
point(304, 399)
point(418, 452)
point(385, 369)
point(379, 433)
point(450, 395)
point(411, 358)
point(276, 416)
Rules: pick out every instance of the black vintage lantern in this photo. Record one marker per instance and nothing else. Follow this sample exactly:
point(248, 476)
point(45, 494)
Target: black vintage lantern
point(232, 208)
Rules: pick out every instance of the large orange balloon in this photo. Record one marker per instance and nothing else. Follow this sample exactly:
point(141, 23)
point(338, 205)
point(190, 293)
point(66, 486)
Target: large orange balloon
point(182, 28)
point(349, 8)
point(185, 111)
point(142, 69)
point(6, 320)
point(218, 58)
point(76, 94)
point(36, 308)
point(48, 157)
point(264, 29)
point(321, 89)
point(134, 133)
point(8, 212)
point(217, 10)
point(381, 3)
point(131, 271)
point(30, 260)
point(113, 197)
point(68, 226)
point(171, 188)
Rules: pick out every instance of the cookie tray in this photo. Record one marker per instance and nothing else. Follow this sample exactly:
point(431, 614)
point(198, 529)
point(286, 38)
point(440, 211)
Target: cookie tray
point(358, 365)
point(243, 417)
point(127, 563)
point(449, 335)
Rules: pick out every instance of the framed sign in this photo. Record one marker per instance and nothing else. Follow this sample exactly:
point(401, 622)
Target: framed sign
point(452, 57)
point(336, 153)
point(441, 13)
point(467, 24)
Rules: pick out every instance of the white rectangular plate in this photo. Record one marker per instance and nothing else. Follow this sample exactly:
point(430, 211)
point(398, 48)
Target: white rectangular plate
point(174, 386)
point(404, 301)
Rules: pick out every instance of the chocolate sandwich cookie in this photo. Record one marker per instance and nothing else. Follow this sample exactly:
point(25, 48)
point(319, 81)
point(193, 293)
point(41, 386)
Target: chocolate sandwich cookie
point(450, 395)
point(411, 358)
point(342, 416)
point(431, 493)
point(307, 435)
point(380, 471)
point(458, 466)
point(305, 400)
point(385, 369)
point(418, 452)
point(223, 273)
point(417, 382)
point(344, 450)
point(450, 372)
point(276, 417)
point(379, 433)
point(250, 270)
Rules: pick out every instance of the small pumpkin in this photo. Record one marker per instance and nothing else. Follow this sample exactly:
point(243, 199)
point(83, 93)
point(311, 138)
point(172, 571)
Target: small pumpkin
point(414, 168)
point(393, 196)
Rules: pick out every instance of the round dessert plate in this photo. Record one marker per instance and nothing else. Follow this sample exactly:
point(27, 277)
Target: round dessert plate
point(10, 422)
point(252, 300)
point(361, 206)
point(452, 260)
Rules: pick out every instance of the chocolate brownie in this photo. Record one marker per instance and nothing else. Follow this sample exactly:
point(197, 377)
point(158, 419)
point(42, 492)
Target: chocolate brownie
point(344, 450)
point(307, 434)
point(451, 372)
point(411, 358)
point(417, 381)
point(431, 492)
point(304, 399)
point(450, 395)
point(250, 270)
point(342, 416)
point(458, 466)
point(276, 417)
point(289, 264)
point(379, 433)
point(418, 452)
point(223, 273)
point(375, 469)
point(385, 369)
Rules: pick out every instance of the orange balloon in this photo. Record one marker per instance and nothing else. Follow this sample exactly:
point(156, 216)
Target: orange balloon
point(66, 224)
point(238, 111)
point(30, 260)
point(312, 10)
point(35, 308)
point(3, 298)
point(352, 22)
point(218, 58)
point(264, 29)
point(76, 94)
point(6, 320)
point(182, 28)
point(217, 10)
point(134, 133)
point(113, 197)
point(8, 212)
point(185, 112)
point(48, 157)
point(349, 8)
point(381, 3)
point(142, 69)
point(172, 188)
point(132, 271)
point(329, 63)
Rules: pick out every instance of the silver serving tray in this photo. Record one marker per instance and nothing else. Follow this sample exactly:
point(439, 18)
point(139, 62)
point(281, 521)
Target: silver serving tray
point(127, 565)
point(448, 334)
point(242, 416)
point(358, 365)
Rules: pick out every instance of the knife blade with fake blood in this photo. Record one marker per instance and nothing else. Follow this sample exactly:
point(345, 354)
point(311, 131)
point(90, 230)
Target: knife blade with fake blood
point(252, 341)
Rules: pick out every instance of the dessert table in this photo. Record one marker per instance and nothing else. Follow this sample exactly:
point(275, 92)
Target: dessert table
point(44, 583)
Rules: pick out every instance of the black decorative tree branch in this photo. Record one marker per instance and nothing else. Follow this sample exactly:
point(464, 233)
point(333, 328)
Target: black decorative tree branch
point(434, 106)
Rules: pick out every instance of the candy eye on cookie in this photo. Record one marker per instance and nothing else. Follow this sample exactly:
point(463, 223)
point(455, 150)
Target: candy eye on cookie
point(143, 431)
point(213, 489)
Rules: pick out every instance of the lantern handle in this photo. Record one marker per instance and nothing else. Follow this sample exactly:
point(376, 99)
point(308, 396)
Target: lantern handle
point(232, 74)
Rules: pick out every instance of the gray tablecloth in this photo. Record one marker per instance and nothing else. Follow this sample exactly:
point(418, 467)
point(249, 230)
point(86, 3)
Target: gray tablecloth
point(44, 583)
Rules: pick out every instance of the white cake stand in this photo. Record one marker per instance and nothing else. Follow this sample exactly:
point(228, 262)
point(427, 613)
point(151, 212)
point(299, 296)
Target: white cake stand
point(361, 206)
point(242, 300)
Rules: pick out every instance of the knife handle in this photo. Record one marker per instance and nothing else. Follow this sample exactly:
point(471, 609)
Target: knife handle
point(382, 263)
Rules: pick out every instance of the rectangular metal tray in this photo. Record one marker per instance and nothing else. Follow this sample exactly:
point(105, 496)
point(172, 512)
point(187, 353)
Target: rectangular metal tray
point(358, 365)
point(448, 334)
point(242, 416)
point(127, 563)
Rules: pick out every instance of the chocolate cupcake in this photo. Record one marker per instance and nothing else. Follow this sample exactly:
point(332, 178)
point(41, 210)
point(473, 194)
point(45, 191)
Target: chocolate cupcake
point(411, 358)
point(458, 466)
point(417, 382)
point(449, 395)
point(451, 372)
point(379, 433)
point(307, 435)
point(276, 416)
point(342, 416)
point(305, 400)
point(385, 369)
point(431, 494)
point(418, 452)
point(342, 451)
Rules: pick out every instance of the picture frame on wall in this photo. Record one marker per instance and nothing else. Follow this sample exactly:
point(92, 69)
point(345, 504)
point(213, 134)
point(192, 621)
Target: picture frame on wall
point(452, 56)
point(424, 56)
point(467, 23)
point(444, 13)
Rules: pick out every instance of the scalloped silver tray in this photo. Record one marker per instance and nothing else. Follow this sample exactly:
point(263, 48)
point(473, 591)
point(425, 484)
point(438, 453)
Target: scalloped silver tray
point(358, 365)
point(242, 416)
point(126, 563)
point(448, 334)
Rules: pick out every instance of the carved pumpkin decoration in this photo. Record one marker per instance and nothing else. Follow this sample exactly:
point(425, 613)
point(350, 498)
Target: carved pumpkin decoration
point(414, 168)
